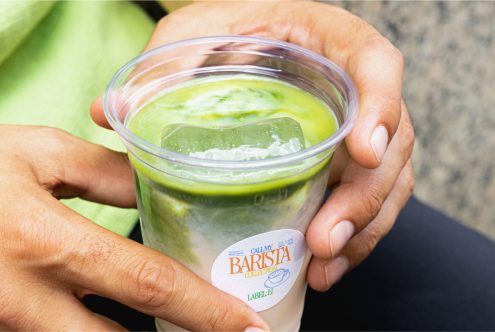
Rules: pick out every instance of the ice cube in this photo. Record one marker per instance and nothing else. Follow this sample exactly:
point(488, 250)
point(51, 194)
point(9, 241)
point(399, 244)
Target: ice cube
point(256, 140)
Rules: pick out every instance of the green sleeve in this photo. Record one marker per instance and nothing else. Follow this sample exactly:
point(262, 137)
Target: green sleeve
point(18, 19)
point(60, 61)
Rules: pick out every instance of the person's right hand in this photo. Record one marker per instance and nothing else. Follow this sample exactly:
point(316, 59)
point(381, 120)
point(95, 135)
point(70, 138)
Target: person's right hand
point(50, 256)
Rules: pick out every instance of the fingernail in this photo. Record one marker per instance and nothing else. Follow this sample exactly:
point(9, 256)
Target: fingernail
point(339, 236)
point(253, 329)
point(379, 141)
point(335, 269)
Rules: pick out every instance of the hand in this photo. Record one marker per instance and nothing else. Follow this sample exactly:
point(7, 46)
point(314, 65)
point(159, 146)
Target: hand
point(371, 174)
point(50, 256)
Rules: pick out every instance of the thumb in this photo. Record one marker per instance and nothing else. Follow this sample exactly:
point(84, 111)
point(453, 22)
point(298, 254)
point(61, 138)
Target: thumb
point(97, 114)
point(71, 167)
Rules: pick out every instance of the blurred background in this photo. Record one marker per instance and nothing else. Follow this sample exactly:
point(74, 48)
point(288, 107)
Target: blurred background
point(449, 50)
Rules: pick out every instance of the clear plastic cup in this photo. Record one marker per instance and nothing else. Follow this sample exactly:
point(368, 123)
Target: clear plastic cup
point(237, 224)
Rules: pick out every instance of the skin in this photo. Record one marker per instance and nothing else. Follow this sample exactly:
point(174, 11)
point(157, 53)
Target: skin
point(53, 256)
point(369, 189)
point(50, 256)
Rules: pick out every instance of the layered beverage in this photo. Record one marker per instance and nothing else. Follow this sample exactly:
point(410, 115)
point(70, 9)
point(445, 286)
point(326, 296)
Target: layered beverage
point(230, 167)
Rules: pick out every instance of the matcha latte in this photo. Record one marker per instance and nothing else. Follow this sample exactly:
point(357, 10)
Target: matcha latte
point(231, 140)
point(235, 118)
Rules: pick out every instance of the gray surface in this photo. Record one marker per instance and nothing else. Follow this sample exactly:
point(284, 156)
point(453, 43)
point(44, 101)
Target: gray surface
point(449, 49)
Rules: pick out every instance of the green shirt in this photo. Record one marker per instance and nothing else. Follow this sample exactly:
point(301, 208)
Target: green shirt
point(55, 58)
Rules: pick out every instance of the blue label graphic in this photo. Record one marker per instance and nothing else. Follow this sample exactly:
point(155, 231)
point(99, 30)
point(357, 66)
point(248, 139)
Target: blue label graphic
point(277, 278)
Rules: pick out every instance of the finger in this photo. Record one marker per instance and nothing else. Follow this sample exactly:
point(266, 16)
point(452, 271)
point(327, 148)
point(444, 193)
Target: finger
point(364, 242)
point(70, 314)
point(97, 113)
point(166, 32)
point(137, 84)
point(323, 273)
point(106, 264)
point(222, 21)
point(113, 325)
point(373, 63)
point(71, 167)
point(377, 72)
point(340, 160)
point(48, 309)
point(359, 197)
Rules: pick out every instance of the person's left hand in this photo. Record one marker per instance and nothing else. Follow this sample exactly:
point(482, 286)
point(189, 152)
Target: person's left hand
point(371, 174)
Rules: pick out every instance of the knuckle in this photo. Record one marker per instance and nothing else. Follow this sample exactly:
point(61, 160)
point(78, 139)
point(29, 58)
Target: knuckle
point(9, 320)
point(395, 55)
point(153, 285)
point(407, 137)
point(40, 148)
point(360, 28)
point(382, 44)
point(11, 317)
point(390, 105)
point(371, 239)
point(409, 179)
point(51, 131)
point(372, 198)
point(376, 43)
point(220, 316)
point(175, 19)
point(163, 22)
point(55, 134)
point(33, 239)
point(54, 141)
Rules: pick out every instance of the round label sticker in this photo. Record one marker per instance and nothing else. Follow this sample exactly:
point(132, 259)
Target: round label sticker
point(261, 269)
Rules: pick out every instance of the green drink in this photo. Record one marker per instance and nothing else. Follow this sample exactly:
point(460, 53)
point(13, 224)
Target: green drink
point(236, 170)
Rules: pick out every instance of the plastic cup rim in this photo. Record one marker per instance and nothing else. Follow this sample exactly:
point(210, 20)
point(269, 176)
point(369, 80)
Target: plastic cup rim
point(148, 147)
